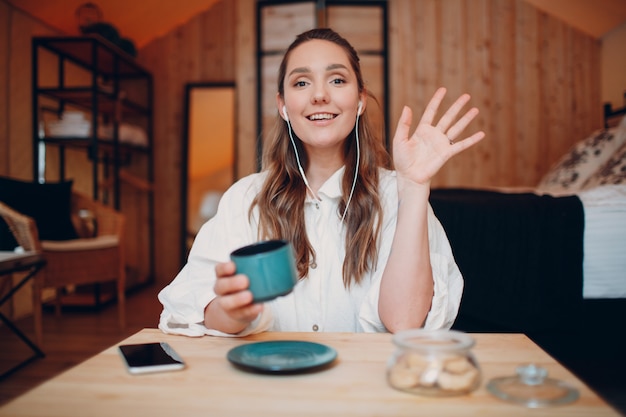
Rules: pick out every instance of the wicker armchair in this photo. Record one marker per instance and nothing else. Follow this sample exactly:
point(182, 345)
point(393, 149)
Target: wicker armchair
point(78, 261)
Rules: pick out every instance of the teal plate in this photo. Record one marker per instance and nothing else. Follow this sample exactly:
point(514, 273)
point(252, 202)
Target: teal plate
point(282, 356)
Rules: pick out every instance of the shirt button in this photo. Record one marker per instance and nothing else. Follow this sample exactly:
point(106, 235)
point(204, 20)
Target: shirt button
point(315, 328)
point(317, 206)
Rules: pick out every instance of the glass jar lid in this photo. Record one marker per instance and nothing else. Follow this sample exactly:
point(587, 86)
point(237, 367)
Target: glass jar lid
point(532, 388)
point(429, 341)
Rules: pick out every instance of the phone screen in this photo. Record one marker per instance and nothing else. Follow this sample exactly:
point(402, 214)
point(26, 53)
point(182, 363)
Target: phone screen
point(150, 357)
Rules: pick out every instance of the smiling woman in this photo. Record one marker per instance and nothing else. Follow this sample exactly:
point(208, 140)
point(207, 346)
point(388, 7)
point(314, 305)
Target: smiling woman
point(368, 249)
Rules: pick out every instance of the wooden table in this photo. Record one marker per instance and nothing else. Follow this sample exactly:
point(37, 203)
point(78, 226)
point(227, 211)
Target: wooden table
point(355, 386)
point(30, 263)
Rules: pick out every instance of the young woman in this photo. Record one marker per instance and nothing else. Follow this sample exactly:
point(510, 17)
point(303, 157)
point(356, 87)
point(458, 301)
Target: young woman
point(370, 253)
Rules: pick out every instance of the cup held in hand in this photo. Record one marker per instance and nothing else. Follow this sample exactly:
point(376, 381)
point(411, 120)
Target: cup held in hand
point(270, 267)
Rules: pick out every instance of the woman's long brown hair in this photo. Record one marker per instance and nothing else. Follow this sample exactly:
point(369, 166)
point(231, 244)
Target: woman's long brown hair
point(280, 201)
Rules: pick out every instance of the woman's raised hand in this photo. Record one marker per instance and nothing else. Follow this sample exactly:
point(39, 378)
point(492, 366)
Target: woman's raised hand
point(420, 156)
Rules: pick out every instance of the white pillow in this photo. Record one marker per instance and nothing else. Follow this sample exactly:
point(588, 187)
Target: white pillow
point(576, 167)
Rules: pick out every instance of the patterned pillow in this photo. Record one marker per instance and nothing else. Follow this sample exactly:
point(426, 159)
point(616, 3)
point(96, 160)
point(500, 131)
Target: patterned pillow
point(575, 167)
point(611, 173)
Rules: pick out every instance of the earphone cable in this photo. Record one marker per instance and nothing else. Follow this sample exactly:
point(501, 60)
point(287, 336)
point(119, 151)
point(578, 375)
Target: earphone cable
point(356, 169)
point(293, 142)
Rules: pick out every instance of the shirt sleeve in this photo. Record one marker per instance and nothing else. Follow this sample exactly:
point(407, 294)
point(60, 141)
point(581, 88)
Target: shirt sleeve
point(186, 297)
point(447, 278)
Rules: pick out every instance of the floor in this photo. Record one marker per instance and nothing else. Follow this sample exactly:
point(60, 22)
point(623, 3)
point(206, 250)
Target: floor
point(598, 359)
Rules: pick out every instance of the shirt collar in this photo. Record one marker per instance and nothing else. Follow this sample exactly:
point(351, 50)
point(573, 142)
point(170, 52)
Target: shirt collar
point(332, 187)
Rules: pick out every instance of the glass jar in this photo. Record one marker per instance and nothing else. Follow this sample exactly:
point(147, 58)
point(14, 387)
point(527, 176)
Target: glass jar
point(433, 363)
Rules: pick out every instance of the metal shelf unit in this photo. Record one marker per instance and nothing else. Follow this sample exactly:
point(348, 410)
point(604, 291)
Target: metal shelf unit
point(91, 75)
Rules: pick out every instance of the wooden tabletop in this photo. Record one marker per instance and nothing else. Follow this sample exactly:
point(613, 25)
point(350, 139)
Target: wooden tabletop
point(355, 385)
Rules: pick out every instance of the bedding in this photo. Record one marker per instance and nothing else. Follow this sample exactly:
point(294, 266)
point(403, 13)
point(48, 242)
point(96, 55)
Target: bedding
point(613, 171)
point(601, 186)
point(604, 264)
point(574, 168)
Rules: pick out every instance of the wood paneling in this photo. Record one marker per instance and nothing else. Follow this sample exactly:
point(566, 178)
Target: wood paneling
point(246, 82)
point(5, 35)
point(20, 28)
point(364, 36)
point(283, 22)
point(201, 50)
point(534, 78)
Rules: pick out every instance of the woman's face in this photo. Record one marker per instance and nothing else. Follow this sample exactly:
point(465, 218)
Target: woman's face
point(321, 95)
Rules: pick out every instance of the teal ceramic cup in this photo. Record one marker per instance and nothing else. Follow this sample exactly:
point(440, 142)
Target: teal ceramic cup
point(270, 266)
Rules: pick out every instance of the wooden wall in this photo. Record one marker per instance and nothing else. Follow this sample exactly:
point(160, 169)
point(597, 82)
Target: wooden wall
point(535, 80)
point(613, 67)
point(16, 31)
point(5, 31)
point(201, 50)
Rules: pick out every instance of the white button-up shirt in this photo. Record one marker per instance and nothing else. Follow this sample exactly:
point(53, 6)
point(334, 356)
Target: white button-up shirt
point(319, 302)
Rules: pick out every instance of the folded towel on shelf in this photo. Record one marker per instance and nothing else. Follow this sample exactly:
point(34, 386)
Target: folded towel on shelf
point(128, 133)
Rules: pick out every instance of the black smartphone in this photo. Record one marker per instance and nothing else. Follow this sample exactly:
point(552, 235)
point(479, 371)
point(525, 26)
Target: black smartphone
point(150, 357)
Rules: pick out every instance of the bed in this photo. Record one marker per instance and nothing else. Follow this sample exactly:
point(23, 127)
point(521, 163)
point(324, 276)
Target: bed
point(547, 258)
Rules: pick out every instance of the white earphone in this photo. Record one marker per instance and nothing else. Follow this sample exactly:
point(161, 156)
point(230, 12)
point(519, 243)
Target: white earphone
point(285, 114)
point(358, 159)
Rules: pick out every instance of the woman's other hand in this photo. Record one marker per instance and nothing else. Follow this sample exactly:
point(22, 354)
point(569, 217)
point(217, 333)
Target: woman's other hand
point(232, 309)
point(420, 156)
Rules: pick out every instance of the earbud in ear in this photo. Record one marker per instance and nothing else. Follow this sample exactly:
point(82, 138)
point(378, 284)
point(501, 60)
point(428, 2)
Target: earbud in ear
point(358, 110)
point(285, 114)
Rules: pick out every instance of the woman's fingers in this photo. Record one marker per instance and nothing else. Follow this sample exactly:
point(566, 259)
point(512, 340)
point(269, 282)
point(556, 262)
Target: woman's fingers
point(455, 130)
point(450, 124)
point(232, 289)
point(461, 145)
point(450, 116)
point(225, 269)
point(233, 296)
point(433, 105)
point(232, 302)
point(231, 284)
point(404, 124)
